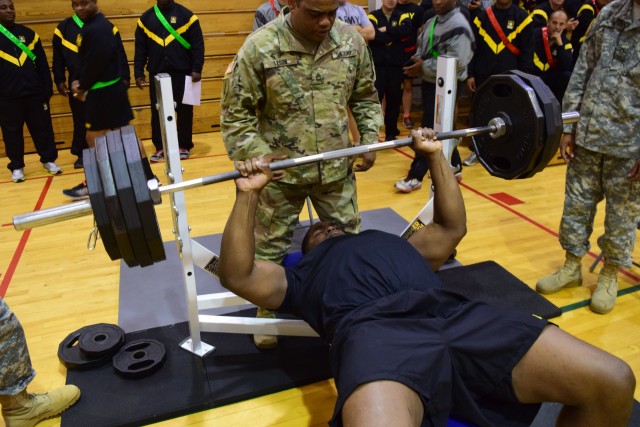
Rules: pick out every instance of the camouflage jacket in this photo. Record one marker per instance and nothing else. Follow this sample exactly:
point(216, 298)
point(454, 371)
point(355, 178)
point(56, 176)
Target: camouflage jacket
point(278, 96)
point(605, 84)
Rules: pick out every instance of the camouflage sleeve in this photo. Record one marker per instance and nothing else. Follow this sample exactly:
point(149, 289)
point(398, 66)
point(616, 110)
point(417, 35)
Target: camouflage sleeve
point(364, 103)
point(242, 95)
point(587, 59)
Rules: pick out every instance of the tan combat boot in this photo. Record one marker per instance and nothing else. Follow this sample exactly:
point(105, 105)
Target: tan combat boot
point(265, 341)
point(26, 409)
point(568, 276)
point(604, 297)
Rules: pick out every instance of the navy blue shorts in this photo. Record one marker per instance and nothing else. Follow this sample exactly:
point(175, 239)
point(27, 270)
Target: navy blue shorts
point(456, 354)
point(107, 108)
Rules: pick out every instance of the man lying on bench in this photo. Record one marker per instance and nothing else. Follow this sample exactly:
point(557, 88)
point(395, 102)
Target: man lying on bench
point(405, 352)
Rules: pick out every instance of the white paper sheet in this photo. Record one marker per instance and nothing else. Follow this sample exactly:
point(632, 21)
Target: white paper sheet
point(192, 91)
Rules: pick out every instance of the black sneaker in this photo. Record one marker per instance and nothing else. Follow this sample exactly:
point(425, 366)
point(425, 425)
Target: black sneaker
point(79, 192)
point(408, 123)
point(78, 163)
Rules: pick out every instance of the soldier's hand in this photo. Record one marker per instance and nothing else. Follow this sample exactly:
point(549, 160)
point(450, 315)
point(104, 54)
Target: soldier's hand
point(471, 84)
point(140, 81)
point(62, 89)
point(368, 159)
point(634, 173)
point(196, 77)
point(78, 93)
point(568, 147)
point(255, 174)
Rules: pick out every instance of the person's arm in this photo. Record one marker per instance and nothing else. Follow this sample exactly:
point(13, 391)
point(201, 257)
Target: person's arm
point(99, 46)
point(564, 57)
point(526, 44)
point(125, 72)
point(196, 39)
point(436, 241)
point(58, 65)
point(42, 67)
point(365, 27)
point(260, 282)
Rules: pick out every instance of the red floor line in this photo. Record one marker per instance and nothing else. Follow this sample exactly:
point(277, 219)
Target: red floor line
point(526, 218)
point(403, 153)
point(4, 285)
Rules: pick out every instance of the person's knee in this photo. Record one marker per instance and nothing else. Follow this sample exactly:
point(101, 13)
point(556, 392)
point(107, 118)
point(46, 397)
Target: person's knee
point(614, 388)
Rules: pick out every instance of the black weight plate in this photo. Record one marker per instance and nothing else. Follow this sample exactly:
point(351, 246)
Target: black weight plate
point(139, 358)
point(144, 203)
point(127, 199)
point(70, 355)
point(96, 197)
point(102, 339)
point(516, 152)
point(112, 201)
point(552, 120)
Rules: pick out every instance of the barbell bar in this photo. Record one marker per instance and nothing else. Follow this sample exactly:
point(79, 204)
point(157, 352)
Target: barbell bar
point(82, 208)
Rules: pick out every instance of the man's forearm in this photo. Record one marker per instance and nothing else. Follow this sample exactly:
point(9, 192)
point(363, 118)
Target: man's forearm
point(449, 211)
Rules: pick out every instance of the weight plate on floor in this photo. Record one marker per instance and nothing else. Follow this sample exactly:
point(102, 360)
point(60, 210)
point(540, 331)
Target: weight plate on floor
point(70, 355)
point(139, 358)
point(144, 202)
point(102, 339)
point(112, 202)
point(552, 120)
point(127, 199)
point(516, 152)
point(96, 197)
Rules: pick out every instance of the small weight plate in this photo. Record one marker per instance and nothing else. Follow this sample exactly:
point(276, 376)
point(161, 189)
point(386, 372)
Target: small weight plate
point(139, 358)
point(515, 153)
point(127, 199)
point(70, 355)
point(112, 202)
point(143, 197)
point(96, 197)
point(102, 339)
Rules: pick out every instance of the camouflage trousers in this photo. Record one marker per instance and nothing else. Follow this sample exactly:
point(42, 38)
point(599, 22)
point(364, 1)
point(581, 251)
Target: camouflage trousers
point(281, 203)
point(15, 365)
point(592, 177)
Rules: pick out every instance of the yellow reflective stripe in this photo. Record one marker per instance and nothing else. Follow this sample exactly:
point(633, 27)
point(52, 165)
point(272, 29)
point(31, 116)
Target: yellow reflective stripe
point(66, 43)
point(403, 17)
point(170, 37)
point(538, 63)
point(568, 46)
point(19, 61)
point(541, 13)
point(497, 48)
point(114, 30)
point(586, 6)
point(10, 58)
point(373, 18)
point(149, 34)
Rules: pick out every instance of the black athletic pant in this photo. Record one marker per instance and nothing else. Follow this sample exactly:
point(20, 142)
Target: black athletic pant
point(184, 113)
point(389, 86)
point(34, 111)
point(79, 141)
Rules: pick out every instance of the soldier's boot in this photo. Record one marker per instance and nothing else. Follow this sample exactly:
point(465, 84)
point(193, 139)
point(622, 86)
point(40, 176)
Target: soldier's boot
point(604, 297)
point(26, 409)
point(568, 276)
point(265, 341)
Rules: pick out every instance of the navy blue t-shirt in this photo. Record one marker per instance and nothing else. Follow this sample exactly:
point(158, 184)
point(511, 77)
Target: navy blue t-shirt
point(347, 272)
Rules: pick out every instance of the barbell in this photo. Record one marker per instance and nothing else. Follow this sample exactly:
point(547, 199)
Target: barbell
point(510, 145)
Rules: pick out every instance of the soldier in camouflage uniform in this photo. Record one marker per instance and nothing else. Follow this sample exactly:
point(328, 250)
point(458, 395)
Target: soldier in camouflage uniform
point(603, 152)
point(20, 408)
point(286, 94)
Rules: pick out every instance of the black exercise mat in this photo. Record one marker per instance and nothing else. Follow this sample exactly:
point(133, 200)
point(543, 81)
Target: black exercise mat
point(549, 413)
point(186, 383)
point(490, 283)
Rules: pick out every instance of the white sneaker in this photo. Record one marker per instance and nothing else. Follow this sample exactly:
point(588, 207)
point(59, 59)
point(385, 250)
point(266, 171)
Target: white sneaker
point(471, 160)
point(52, 168)
point(408, 186)
point(17, 175)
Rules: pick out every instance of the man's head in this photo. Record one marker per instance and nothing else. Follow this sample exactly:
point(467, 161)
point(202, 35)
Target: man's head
point(440, 7)
point(503, 4)
point(7, 13)
point(313, 19)
point(389, 5)
point(557, 21)
point(341, 2)
point(162, 4)
point(85, 9)
point(318, 233)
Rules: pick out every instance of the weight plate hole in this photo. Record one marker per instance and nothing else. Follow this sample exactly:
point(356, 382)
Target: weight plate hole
point(139, 354)
point(501, 90)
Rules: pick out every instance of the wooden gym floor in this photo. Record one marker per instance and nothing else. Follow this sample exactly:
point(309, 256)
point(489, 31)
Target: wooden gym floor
point(55, 285)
